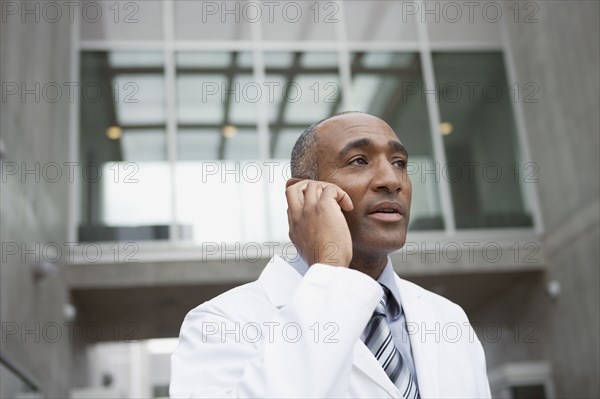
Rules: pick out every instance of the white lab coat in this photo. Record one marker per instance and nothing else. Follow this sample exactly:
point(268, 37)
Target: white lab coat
point(285, 335)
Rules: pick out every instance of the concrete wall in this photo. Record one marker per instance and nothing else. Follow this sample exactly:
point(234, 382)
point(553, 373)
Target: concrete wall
point(34, 209)
point(560, 53)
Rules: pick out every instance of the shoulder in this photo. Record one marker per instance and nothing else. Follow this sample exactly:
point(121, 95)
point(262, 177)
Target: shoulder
point(240, 302)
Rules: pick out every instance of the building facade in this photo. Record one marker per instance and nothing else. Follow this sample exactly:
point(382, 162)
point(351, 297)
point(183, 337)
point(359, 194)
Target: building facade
point(128, 127)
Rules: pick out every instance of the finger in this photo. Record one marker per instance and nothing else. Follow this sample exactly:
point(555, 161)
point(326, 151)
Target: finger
point(290, 225)
point(339, 195)
point(311, 194)
point(295, 196)
point(291, 181)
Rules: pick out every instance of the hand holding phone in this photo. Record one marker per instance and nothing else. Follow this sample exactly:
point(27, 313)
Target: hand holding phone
point(317, 225)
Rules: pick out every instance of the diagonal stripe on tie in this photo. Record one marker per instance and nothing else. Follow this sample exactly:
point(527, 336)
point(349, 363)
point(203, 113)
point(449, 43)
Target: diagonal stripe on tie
point(379, 340)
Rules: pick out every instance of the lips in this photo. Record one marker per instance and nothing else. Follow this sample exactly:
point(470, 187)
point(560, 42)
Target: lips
point(387, 211)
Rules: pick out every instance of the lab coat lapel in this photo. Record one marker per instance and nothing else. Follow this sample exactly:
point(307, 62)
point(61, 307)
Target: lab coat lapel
point(280, 282)
point(366, 362)
point(420, 318)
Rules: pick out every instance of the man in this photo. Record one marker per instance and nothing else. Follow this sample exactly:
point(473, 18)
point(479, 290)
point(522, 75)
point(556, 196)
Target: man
point(337, 321)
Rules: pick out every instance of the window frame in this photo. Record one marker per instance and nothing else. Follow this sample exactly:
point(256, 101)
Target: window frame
point(343, 47)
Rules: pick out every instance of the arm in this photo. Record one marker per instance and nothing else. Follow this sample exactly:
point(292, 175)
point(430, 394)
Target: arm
point(204, 366)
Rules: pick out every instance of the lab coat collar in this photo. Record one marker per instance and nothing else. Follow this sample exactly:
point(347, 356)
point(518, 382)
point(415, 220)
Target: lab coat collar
point(280, 281)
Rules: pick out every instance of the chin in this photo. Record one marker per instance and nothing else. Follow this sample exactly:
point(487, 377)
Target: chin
point(377, 238)
point(380, 243)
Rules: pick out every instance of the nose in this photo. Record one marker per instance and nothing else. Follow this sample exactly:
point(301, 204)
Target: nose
point(389, 177)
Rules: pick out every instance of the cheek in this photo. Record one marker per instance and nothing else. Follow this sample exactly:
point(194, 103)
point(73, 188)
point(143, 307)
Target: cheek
point(355, 193)
point(354, 218)
point(408, 193)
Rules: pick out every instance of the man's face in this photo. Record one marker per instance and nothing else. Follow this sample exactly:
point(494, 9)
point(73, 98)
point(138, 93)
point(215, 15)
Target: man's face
point(363, 156)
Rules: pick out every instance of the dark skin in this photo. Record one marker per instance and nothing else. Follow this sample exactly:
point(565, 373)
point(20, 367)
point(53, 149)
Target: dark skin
point(358, 211)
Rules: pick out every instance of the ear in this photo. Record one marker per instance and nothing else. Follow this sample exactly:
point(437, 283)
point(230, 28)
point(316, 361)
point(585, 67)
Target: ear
point(292, 181)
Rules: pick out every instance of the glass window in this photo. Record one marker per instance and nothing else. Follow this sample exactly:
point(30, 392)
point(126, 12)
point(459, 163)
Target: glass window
point(221, 201)
point(480, 141)
point(217, 100)
point(133, 194)
point(306, 88)
point(126, 185)
point(387, 85)
point(220, 197)
point(140, 97)
point(124, 149)
point(144, 144)
point(198, 144)
point(200, 98)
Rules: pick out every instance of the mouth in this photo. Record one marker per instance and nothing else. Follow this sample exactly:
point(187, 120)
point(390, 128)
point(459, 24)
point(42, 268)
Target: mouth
point(387, 212)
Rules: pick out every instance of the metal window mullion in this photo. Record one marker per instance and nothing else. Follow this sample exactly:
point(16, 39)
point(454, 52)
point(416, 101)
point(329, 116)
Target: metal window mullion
point(434, 123)
point(74, 199)
point(344, 60)
point(262, 118)
point(216, 45)
point(232, 45)
point(171, 114)
point(262, 122)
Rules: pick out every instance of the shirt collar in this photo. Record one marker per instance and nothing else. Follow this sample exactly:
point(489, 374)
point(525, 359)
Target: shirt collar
point(298, 264)
point(388, 279)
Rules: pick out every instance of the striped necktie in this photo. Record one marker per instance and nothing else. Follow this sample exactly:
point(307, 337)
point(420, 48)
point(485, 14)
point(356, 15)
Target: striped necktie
point(378, 338)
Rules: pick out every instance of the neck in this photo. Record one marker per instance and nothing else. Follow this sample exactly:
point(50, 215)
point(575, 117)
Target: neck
point(371, 265)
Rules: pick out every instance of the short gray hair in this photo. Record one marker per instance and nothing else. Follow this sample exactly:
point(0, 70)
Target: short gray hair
point(304, 163)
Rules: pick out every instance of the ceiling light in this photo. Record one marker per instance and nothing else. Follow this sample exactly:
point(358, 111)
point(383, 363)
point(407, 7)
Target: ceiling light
point(114, 132)
point(229, 131)
point(446, 128)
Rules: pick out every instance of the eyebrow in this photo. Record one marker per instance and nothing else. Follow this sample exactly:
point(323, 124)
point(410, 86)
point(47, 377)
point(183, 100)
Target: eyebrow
point(396, 146)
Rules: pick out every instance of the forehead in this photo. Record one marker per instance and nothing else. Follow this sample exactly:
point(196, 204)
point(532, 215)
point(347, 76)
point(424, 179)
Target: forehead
point(336, 132)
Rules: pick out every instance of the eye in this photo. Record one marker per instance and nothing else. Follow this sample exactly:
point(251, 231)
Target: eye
point(401, 163)
point(361, 160)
